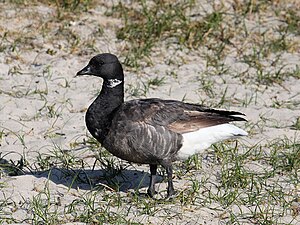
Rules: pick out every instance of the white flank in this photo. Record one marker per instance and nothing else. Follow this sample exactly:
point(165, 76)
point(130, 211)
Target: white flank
point(197, 141)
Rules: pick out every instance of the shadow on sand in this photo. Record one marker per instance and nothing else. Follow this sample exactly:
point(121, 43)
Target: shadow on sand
point(85, 179)
point(123, 181)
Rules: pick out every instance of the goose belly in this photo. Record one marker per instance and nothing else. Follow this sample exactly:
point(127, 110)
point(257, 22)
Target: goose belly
point(197, 141)
point(143, 143)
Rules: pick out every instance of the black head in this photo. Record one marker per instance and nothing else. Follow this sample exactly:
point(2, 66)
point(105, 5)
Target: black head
point(104, 65)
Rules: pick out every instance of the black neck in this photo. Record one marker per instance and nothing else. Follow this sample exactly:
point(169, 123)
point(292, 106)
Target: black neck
point(100, 112)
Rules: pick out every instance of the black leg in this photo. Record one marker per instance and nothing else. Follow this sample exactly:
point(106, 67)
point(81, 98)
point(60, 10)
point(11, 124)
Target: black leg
point(151, 189)
point(170, 190)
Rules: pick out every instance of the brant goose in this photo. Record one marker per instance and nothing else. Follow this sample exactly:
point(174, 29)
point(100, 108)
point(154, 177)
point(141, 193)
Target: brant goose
point(151, 131)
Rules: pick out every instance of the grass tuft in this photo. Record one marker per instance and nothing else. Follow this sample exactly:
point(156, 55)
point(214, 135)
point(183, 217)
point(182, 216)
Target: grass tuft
point(162, 20)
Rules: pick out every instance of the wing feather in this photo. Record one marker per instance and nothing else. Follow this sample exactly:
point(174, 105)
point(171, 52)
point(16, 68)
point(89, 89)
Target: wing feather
point(180, 117)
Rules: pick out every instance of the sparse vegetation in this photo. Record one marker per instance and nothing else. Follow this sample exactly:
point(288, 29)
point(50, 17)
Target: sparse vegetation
point(163, 20)
point(225, 54)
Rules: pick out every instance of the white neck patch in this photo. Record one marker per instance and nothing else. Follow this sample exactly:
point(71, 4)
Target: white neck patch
point(113, 83)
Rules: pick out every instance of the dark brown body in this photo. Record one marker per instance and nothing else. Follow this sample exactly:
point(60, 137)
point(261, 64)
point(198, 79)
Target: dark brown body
point(146, 131)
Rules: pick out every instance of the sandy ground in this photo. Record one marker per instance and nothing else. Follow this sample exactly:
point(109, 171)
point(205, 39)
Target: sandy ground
point(43, 105)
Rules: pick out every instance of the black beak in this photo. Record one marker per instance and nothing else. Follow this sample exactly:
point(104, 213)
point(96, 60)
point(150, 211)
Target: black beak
point(85, 71)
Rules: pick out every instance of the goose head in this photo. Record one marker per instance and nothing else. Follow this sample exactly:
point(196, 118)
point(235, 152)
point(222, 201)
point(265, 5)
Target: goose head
point(106, 66)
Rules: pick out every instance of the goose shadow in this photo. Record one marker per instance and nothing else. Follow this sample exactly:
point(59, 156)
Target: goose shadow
point(85, 179)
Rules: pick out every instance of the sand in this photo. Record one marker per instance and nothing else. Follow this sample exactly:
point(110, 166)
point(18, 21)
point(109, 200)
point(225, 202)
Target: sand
point(43, 106)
